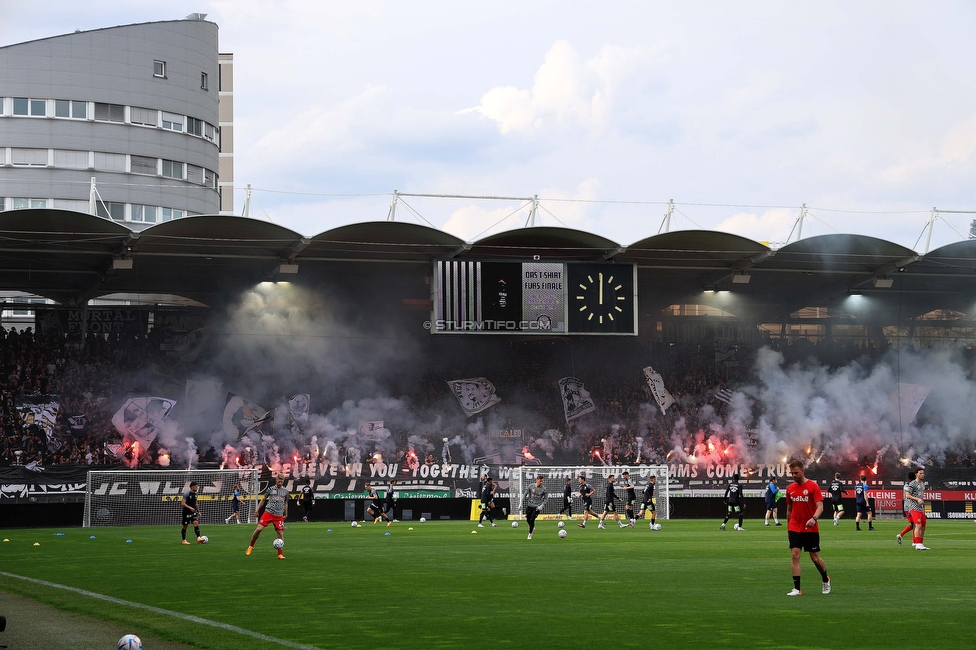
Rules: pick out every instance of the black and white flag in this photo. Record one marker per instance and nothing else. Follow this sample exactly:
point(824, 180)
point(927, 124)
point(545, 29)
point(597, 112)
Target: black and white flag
point(140, 418)
point(474, 395)
point(298, 407)
point(576, 399)
point(241, 416)
point(724, 395)
point(656, 385)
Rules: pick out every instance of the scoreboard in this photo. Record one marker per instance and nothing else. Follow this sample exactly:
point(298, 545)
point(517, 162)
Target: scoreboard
point(490, 297)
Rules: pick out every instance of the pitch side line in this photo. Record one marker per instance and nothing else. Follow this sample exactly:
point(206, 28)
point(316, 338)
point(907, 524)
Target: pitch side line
point(165, 612)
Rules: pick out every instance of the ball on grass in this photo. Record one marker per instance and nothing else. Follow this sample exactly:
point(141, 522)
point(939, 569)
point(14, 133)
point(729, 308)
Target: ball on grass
point(130, 642)
point(561, 524)
point(203, 539)
point(278, 543)
point(355, 523)
point(563, 533)
point(514, 524)
point(423, 520)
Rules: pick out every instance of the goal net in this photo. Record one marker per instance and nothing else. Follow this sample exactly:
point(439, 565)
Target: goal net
point(152, 497)
point(554, 480)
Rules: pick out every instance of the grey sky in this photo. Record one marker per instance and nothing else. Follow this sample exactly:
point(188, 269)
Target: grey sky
point(866, 106)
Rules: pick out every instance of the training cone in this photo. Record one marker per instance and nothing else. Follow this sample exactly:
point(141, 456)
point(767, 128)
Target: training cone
point(37, 543)
point(387, 535)
point(411, 528)
point(474, 532)
point(92, 537)
point(128, 541)
point(5, 539)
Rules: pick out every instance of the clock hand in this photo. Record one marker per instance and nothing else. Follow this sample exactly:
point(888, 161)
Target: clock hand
point(601, 288)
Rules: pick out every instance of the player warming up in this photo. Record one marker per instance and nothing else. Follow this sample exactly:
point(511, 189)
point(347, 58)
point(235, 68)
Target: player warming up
point(861, 504)
point(837, 498)
point(307, 499)
point(190, 512)
point(236, 505)
point(535, 498)
point(275, 503)
point(649, 506)
point(733, 502)
point(610, 505)
point(915, 505)
point(375, 509)
point(629, 508)
point(586, 496)
point(487, 501)
point(804, 505)
point(772, 496)
point(567, 499)
point(389, 503)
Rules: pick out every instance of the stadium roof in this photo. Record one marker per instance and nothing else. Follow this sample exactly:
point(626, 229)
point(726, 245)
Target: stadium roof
point(73, 257)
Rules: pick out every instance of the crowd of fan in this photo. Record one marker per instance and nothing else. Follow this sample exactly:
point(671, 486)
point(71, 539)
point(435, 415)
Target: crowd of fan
point(92, 380)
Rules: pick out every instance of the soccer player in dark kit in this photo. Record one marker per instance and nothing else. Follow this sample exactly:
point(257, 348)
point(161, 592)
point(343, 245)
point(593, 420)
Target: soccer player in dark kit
point(389, 503)
point(586, 496)
point(861, 504)
point(535, 498)
point(837, 498)
point(804, 505)
point(307, 498)
point(191, 515)
point(567, 499)
point(631, 497)
point(733, 502)
point(487, 502)
point(649, 506)
point(374, 509)
point(609, 504)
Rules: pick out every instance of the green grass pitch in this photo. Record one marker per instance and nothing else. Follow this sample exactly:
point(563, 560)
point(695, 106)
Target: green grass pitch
point(440, 586)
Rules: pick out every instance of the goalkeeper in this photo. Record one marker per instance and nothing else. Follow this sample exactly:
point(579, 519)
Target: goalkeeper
point(535, 498)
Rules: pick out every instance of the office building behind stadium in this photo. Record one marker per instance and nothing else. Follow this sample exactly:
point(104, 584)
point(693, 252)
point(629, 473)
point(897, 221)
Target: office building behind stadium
point(141, 112)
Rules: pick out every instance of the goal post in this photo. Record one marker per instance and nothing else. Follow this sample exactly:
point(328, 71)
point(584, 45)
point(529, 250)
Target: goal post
point(152, 497)
point(554, 480)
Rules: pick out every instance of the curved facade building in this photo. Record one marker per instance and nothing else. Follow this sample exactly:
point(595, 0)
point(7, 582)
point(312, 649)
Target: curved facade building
point(135, 107)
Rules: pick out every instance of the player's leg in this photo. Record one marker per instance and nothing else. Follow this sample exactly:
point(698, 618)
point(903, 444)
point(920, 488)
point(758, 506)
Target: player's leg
point(795, 566)
point(530, 515)
point(196, 528)
point(738, 510)
point(183, 533)
point(280, 530)
point(840, 512)
point(821, 567)
point(769, 511)
point(254, 537)
point(728, 513)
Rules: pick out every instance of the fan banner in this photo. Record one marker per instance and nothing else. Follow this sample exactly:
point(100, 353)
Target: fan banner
point(140, 418)
point(576, 399)
point(474, 395)
point(298, 407)
point(909, 400)
point(656, 385)
point(371, 430)
point(41, 412)
point(242, 416)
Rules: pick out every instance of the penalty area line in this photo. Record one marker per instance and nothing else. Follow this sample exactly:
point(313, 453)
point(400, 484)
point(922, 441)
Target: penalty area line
point(165, 612)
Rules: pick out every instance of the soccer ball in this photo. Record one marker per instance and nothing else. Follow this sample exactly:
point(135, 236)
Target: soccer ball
point(355, 523)
point(130, 642)
point(561, 524)
point(563, 533)
point(514, 524)
point(656, 526)
point(278, 543)
point(203, 540)
point(423, 520)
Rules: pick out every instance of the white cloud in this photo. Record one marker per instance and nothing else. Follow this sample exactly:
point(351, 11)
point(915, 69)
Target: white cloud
point(770, 226)
point(960, 141)
point(474, 221)
point(566, 89)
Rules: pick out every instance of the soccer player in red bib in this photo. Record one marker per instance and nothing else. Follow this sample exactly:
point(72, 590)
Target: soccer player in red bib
point(275, 502)
point(804, 505)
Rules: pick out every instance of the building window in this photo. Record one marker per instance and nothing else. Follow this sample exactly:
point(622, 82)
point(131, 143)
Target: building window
point(144, 213)
point(24, 203)
point(38, 107)
point(29, 157)
point(159, 69)
point(169, 214)
point(109, 112)
point(194, 174)
point(143, 165)
point(209, 178)
point(3, 202)
point(194, 126)
point(79, 110)
point(210, 132)
point(172, 121)
point(144, 116)
point(70, 159)
point(114, 211)
point(62, 108)
point(109, 162)
point(20, 105)
point(204, 81)
point(172, 169)
point(75, 205)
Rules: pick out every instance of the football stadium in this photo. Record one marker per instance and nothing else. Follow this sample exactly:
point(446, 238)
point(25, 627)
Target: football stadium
point(219, 432)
